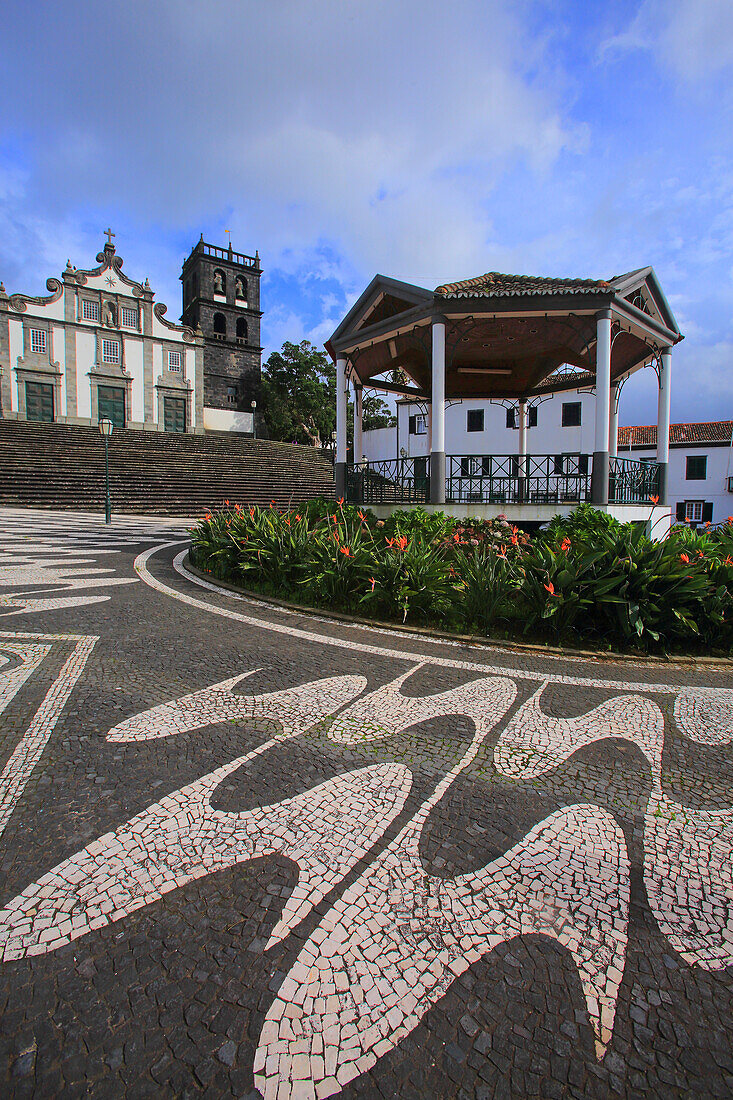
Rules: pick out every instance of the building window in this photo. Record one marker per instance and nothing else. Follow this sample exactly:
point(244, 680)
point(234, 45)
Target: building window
point(129, 317)
point(38, 340)
point(240, 288)
point(174, 360)
point(220, 281)
point(532, 416)
point(693, 510)
point(231, 395)
point(475, 420)
point(241, 328)
point(418, 424)
point(511, 417)
point(89, 310)
point(220, 324)
point(571, 414)
point(110, 351)
point(697, 467)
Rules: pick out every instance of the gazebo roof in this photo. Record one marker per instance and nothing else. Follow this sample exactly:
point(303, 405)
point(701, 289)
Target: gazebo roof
point(506, 335)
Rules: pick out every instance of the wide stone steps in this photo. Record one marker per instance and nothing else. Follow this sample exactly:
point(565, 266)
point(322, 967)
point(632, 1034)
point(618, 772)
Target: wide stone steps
point(62, 466)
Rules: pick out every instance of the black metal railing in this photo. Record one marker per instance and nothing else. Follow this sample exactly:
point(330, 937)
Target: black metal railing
point(511, 479)
point(391, 481)
point(632, 482)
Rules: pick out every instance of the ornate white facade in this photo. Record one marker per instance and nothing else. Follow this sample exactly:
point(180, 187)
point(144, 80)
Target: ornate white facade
point(96, 346)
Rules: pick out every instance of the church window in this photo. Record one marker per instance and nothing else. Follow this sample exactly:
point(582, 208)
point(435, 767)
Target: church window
point(240, 288)
point(220, 324)
point(110, 351)
point(220, 281)
point(241, 328)
point(90, 310)
point(231, 395)
point(129, 317)
point(38, 340)
point(174, 360)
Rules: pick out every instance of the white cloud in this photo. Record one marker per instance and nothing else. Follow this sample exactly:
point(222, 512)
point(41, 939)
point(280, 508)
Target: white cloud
point(693, 37)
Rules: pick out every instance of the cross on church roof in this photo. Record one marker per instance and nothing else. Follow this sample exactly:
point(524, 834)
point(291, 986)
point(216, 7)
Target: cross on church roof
point(109, 235)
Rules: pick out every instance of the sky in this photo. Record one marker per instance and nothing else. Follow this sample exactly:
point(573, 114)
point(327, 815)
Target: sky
point(341, 138)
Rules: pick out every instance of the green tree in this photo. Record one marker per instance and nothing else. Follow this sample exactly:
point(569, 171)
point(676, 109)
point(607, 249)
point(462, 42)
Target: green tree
point(298, 394)
point(297, 398)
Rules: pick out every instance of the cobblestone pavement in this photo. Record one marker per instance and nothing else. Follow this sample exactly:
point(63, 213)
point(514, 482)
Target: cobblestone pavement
point(247, 852)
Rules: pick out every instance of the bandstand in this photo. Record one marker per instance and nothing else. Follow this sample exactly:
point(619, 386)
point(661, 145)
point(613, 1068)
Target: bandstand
point(515, 339)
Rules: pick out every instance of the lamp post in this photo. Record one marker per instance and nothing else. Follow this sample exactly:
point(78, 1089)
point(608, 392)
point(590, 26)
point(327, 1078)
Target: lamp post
point(253, 406)
point(105, 430)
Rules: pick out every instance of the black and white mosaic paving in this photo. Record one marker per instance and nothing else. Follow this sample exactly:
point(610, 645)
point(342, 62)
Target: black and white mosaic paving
point(247, 852)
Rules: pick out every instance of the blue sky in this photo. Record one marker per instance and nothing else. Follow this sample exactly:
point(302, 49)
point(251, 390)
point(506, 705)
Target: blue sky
point(345, 137)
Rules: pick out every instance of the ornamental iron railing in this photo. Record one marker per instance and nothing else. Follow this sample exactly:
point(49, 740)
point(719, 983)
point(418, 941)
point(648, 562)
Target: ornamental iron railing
point(391, 481)
point(632, 482)
point(512, 479)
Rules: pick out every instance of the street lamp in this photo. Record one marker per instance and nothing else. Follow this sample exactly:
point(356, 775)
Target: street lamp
point(105, 430)
point(253, 405)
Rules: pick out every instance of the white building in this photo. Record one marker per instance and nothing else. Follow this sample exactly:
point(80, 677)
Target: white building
point(700, 474)
point(97, 346)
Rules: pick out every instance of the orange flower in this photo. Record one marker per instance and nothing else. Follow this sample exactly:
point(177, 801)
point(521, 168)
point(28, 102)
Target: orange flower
point(341, 502)
point(373, 582)
point(729, 519)
point(565, 545)
point(402, 542)
point(345, 550)
point(298, 517)
point(684, 559)
point(456, 537)
point(502, 553)
point(728, 560)
point(252, 513)
point(227, 503)
point(550, 588)
point(514, 540)
point(390, 542)
point(272, 503)
point(361, 516)
point(654, 500)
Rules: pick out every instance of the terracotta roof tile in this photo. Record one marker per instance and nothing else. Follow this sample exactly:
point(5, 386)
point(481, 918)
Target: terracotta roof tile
point(645, 435)
point(494, 283)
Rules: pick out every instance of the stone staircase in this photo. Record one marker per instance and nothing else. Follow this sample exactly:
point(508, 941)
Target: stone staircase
point(62, 466)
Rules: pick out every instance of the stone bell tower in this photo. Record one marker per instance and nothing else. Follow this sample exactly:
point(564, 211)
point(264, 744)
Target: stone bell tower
point(221, 295)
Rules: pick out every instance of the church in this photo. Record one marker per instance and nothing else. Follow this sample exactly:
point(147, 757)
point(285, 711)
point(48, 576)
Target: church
point(98, 345)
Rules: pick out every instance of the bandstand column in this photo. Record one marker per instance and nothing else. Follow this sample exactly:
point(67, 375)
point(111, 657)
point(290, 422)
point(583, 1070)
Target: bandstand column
point(358, 415)
point(339, 469)
point(522, 449)
point(663, 412)
point(613, 423)
point(599, 479)
point(437, 444)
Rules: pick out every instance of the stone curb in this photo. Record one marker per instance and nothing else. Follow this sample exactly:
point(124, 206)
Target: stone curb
point(721, 663)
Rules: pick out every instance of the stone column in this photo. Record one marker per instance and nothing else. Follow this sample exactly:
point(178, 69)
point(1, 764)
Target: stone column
point(663, 409)
point(6, 375)
point(599, 480)
point(70, 368)
point(437, 442)
point(339, 469)
point(146, 303)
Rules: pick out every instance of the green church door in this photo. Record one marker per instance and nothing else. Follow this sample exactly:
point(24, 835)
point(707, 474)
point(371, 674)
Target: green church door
point(39, 401)
point(174, 414)
point(111, 403)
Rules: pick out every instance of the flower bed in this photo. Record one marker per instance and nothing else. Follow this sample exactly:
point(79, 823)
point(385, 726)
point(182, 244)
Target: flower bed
point(587, 578)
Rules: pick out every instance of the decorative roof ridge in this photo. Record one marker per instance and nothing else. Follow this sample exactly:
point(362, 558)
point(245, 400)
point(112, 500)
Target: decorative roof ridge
point(497, 282)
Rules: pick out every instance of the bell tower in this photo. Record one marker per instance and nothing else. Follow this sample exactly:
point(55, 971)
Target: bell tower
point(221, 295)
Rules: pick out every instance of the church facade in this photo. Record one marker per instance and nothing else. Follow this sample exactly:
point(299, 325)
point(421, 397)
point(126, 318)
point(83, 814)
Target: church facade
point(98, 345)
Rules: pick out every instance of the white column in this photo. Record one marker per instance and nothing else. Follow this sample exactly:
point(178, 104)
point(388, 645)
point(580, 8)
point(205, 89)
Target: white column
point(340, 463)
point(663, 413)
point(603, 404)
point(437, 446)
point(522, 464)
point(358, 413)
point(613, 423)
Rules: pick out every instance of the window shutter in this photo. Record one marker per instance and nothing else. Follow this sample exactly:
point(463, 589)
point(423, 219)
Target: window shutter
point(510, 423)
point(707, 512)
point(680, 511)
point(532, 416)
point(413, 425)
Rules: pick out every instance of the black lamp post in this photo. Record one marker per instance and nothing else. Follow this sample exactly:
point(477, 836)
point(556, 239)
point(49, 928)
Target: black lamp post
point(253, 406)
point(105, 429)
